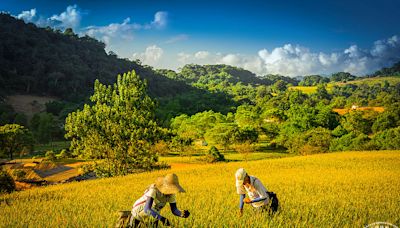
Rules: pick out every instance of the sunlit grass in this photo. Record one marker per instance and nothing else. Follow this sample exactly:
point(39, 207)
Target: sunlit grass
point(347, 189)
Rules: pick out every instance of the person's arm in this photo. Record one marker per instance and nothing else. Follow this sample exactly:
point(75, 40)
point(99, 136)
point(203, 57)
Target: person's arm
point(258, 199)
point(242, 196)
point(261, 190)
point(175, 210)
point(149, 211)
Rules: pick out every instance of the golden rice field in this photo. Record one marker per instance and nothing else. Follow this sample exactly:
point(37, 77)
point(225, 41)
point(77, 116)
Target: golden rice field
point(348, 189)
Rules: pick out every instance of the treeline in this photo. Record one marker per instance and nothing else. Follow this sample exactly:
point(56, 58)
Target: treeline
point(304, 123)
point(388, 71)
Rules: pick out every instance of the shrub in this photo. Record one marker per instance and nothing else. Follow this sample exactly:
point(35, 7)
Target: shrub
point(50, 155)
point(19, 174)
point(388, 139)
point(214, 155)
point(63, 154)
point(7, 184)
point(160, 148)
point(245, 149)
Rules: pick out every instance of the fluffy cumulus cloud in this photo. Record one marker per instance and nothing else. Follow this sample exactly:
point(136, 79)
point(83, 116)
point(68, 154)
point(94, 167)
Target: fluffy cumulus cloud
point(294, 60)
point(160, 20)
point(124, 30)
point(70, 18)
point(28, 15)
point(151, 56)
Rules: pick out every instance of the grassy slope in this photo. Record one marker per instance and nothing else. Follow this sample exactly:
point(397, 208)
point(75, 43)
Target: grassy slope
point(348, 189)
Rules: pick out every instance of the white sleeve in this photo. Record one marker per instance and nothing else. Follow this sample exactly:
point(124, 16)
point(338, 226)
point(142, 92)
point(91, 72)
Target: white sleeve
point(262, 191)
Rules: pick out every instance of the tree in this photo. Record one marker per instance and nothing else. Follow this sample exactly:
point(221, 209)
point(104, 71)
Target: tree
point(7, 184)
point(222, 134)
point(119, 127)
point(13, 137)
point(388, 139)
point(214, 155)
point(342, 77)
point(44, 127)
point(279, 86)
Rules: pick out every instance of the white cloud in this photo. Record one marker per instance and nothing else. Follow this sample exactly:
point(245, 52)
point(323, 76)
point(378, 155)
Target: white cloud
point(122, 30)
point(294, 60)
point(70, 18)
point(160, 20)
point(111, 33)
point(28, 15)
point(175, 39)
point(150, 56)
point(201, 54)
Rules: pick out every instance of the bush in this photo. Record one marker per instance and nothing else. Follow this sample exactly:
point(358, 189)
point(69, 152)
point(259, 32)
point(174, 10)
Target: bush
point(352, 141)
point(342, 143)
point(214, 155)
point(7, 184)
point(316, 140)
point(19, 174)
point(63, 154)
point(388, 139)
point(160, 148)
point(245, 149)
point(50, 155)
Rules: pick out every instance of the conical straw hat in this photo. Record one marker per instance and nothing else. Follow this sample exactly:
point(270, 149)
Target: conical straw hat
point(169, 184)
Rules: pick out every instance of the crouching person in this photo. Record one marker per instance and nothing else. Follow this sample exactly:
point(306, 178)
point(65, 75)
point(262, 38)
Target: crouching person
point(146, 210)
point(259, 197)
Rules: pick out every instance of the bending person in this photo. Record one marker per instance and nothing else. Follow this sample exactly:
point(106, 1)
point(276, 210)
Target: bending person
point(259, 197)
point(147, 208)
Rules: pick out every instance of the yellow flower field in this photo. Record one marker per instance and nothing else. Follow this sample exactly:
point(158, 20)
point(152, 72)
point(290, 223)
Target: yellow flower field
point(348, 189)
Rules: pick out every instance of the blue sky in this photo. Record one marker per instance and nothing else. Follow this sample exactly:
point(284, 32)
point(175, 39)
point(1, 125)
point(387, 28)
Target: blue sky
point(286, 37)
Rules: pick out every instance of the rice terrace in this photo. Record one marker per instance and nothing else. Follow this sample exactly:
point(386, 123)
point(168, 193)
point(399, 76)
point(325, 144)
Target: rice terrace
point(219, 113)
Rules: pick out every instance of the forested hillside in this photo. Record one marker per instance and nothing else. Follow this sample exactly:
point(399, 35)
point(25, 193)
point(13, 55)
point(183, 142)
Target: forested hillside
point(44, 61)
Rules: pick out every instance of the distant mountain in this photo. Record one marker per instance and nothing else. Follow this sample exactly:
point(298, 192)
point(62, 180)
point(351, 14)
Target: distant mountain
point(389, 71)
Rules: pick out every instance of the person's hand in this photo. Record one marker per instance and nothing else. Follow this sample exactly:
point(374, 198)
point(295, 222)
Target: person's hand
point(247, 200)
point(185, 214)
point(240, 213)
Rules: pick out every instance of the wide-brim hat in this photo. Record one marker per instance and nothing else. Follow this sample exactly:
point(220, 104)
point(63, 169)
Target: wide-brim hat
point(169, 184)
point(239, 176)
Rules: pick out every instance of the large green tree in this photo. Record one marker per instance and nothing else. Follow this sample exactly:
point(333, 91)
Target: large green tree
point(13, 138)
point(118, 127)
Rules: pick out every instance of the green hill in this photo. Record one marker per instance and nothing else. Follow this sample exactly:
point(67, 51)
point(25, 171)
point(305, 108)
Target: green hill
point(46, 62)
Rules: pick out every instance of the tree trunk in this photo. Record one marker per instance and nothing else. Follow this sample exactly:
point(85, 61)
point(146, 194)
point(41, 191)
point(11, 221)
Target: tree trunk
point(11, 153)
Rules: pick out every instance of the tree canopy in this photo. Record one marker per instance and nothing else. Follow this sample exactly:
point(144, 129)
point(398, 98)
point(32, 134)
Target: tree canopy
point(118, 127)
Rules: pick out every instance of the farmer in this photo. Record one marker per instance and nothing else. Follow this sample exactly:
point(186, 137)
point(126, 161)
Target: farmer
point(259, 197)
point(147, 208)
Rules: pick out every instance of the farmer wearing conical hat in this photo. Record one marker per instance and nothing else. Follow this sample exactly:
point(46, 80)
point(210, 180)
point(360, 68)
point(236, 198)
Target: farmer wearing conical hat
point(147, 208)
point(259, 197)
